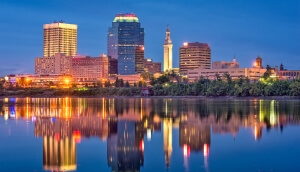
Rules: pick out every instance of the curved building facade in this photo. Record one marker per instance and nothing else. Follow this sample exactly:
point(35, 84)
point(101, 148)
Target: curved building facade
point(125, 42)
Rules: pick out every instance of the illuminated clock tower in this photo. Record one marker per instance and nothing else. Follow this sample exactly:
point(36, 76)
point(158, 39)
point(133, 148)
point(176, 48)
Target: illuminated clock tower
point(168, 51)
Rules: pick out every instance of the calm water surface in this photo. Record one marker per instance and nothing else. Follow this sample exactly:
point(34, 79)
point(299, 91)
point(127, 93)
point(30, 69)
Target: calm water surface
point(149, 134)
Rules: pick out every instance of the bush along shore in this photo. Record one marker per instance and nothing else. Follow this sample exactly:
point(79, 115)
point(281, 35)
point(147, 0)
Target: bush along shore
point(172, 86)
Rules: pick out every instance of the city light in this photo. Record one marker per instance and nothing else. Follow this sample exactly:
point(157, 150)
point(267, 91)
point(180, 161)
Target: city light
point(186, 150)
point(77, 136)
point(205, 150)
point(185, 44)
point(142, 145)
point(149, 134)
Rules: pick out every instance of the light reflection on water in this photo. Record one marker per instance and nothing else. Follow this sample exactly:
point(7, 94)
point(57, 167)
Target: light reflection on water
point(158, 134)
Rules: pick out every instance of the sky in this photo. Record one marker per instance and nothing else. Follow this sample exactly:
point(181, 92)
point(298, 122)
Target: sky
point(240, 28)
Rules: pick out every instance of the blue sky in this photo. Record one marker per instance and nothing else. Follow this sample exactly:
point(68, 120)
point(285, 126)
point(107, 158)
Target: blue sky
point(246, 29)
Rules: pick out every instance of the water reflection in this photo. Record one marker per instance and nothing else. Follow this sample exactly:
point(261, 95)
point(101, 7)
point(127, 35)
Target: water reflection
point(59, 147)
point(124, 123)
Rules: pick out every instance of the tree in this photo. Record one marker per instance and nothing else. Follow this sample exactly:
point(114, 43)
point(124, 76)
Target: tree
point(268, 73)
point(107, 84)
point(295, 88)
point(121, 82)
point(99, 84)
point(160, 80)
point(140, 84)
point(2, 84)
point(146, 76)
point(117, 82)
point(51, 83)
point(127, 84)
point(218, 77)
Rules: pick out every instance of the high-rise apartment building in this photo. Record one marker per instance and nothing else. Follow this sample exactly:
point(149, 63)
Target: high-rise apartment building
point(168, 51)
point(60, 37)
point(194, 55)
point(125, 42)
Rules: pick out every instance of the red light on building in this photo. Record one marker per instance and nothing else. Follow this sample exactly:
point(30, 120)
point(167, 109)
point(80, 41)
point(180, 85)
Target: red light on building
point(57, 137)
point(205, 150)
point(77, 136)
point(186, 150)
point(142, 145)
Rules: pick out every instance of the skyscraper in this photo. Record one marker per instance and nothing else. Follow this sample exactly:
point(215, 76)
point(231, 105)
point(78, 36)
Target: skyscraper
point(125, 42)
point(60, 37)
point(194, 55)
point(168, 51)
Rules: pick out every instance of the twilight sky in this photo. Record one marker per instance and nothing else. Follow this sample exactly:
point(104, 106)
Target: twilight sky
point(244, 28)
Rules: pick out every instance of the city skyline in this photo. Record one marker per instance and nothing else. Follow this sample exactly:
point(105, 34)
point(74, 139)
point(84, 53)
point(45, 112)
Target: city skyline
point(244, 29)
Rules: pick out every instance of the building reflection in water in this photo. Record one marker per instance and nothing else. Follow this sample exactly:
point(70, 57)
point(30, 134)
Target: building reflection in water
point(194, 135)
point(124, 123)
point(59, 147)
point(125, 145)
point(167, 129)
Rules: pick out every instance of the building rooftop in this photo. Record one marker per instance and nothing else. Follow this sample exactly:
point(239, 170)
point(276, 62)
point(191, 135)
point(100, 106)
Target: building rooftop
point(195, 44)
point(60, 24)
point(128, 17)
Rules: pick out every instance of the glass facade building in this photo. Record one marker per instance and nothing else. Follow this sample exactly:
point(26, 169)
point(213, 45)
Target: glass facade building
point(124, 41)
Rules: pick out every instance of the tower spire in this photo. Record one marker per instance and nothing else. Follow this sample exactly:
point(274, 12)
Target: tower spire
point(168, 50)
point(168, 37)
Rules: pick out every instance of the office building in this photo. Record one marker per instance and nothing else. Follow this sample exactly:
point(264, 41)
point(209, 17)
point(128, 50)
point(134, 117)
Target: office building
point(152, 67)
point(225, 65)
point(287, 74)
point(56, 64)
point(85, 68)
point(168, 58)
point(60, 37)
point(193, 55)
point(124, 39)
point(235, 73)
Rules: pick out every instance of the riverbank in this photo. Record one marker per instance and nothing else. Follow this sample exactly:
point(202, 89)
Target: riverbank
point(115, 92)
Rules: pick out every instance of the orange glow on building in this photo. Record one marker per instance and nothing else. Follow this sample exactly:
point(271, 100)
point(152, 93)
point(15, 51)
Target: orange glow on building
point(77, 136)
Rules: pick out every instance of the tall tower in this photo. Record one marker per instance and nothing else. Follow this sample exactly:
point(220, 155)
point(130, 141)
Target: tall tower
point(60, 37)
point(125, 42)
point(168, 50)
